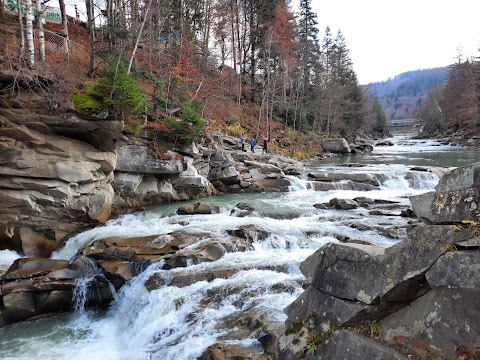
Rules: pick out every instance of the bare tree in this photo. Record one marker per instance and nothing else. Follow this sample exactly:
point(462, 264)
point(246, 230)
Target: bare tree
point(91, 30)
point(29, 34)
point(22, 32)
point(41, 34)
point(135, 47)
point(63, 13)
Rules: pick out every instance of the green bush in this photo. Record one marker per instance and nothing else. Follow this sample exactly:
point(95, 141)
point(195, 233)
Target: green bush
point(84, 102)
point(190, 126)
point(118, 92)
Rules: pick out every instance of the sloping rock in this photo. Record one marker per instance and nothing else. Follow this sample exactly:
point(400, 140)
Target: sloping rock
point(454, 199)
point(329, 177)
point(403, 267)
point(443, 321)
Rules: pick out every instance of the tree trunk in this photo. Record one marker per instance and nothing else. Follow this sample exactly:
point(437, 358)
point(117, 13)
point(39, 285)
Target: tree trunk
point(91, 30)
point(135, 47)
point(29, 30)
point(41, 34)
point(63, 13)
point(22, 32)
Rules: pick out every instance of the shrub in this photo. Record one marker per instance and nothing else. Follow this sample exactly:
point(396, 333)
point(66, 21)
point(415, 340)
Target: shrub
point(190, 126)
point(236, 130)
point(84, 102)
point(118, 92)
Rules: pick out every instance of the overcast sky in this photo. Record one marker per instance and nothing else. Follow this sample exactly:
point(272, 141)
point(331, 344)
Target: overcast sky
point(388, 37)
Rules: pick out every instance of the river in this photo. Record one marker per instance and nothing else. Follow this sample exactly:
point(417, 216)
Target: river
point(181, 322)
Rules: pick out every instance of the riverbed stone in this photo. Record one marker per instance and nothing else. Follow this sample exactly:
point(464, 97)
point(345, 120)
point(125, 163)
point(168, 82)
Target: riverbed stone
point(19, 306)
point(198, 208)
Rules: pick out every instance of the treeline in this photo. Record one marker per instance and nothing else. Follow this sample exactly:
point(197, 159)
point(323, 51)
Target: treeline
point(402, 95)
point(456, 105)
point(259, 54)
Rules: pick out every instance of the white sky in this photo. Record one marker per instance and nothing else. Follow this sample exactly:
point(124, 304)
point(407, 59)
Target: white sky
point(387, 37)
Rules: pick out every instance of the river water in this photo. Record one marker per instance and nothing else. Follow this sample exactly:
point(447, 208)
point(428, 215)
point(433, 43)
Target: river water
point(180, 323)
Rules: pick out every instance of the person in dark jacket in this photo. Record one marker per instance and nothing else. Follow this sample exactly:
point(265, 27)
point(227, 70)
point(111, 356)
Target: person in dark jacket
point(265, 146)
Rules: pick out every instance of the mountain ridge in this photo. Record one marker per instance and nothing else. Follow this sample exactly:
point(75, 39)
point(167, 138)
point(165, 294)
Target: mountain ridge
point(402, 95)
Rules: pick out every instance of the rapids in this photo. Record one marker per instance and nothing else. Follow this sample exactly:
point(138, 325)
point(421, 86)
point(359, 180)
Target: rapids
point(181, 322)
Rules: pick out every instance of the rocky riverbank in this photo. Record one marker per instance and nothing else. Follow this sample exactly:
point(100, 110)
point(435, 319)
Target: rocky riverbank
point(61, 174)
point(64, 173)
point(413, 300)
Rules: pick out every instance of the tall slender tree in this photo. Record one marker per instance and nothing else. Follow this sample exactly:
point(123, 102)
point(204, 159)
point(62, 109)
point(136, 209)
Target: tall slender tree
point(29, 34)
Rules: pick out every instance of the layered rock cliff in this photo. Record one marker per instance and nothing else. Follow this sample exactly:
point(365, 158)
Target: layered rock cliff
point(56, 172)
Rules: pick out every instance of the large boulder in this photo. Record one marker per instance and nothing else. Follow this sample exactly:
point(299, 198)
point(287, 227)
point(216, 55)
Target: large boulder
point(454, 200)
point(336, 145)
point(420, 290)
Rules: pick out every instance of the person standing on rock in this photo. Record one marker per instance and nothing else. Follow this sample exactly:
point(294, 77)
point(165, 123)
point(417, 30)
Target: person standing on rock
point(253, 143)
point(265, 146)
point(242, 142)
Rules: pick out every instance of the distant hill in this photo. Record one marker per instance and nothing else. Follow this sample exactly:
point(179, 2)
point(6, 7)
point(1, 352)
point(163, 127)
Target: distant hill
point(402, 95)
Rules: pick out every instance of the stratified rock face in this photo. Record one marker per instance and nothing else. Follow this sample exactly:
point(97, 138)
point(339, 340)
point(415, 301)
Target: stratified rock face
point(423, 291)
point(141, 178)
point(55, 173)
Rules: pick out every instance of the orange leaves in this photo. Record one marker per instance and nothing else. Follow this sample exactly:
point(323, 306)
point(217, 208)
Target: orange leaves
point(185, 68)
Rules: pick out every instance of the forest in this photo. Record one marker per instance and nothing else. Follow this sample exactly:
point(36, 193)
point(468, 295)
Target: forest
point(250, 67)
point(454, 107)
point(248, 64)
point(402, 95)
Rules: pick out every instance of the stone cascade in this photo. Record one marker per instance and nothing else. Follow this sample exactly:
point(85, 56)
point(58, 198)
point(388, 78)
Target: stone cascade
point(417, 297)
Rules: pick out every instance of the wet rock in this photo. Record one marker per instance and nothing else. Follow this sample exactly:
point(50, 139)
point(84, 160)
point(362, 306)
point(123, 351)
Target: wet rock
point(25, 268)
point(349, 185)
point(384, 143)
point(329, 177)
point(249, 232)
point(198, 209)
point(242, 210)
point(343, 204)
point(364, 201)
point(206, 253)
point(19, 306)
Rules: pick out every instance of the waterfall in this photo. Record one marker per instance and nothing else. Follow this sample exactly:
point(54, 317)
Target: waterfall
point(81, 293)
point(423, 180)
point(298, 184)
point(179, 319)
